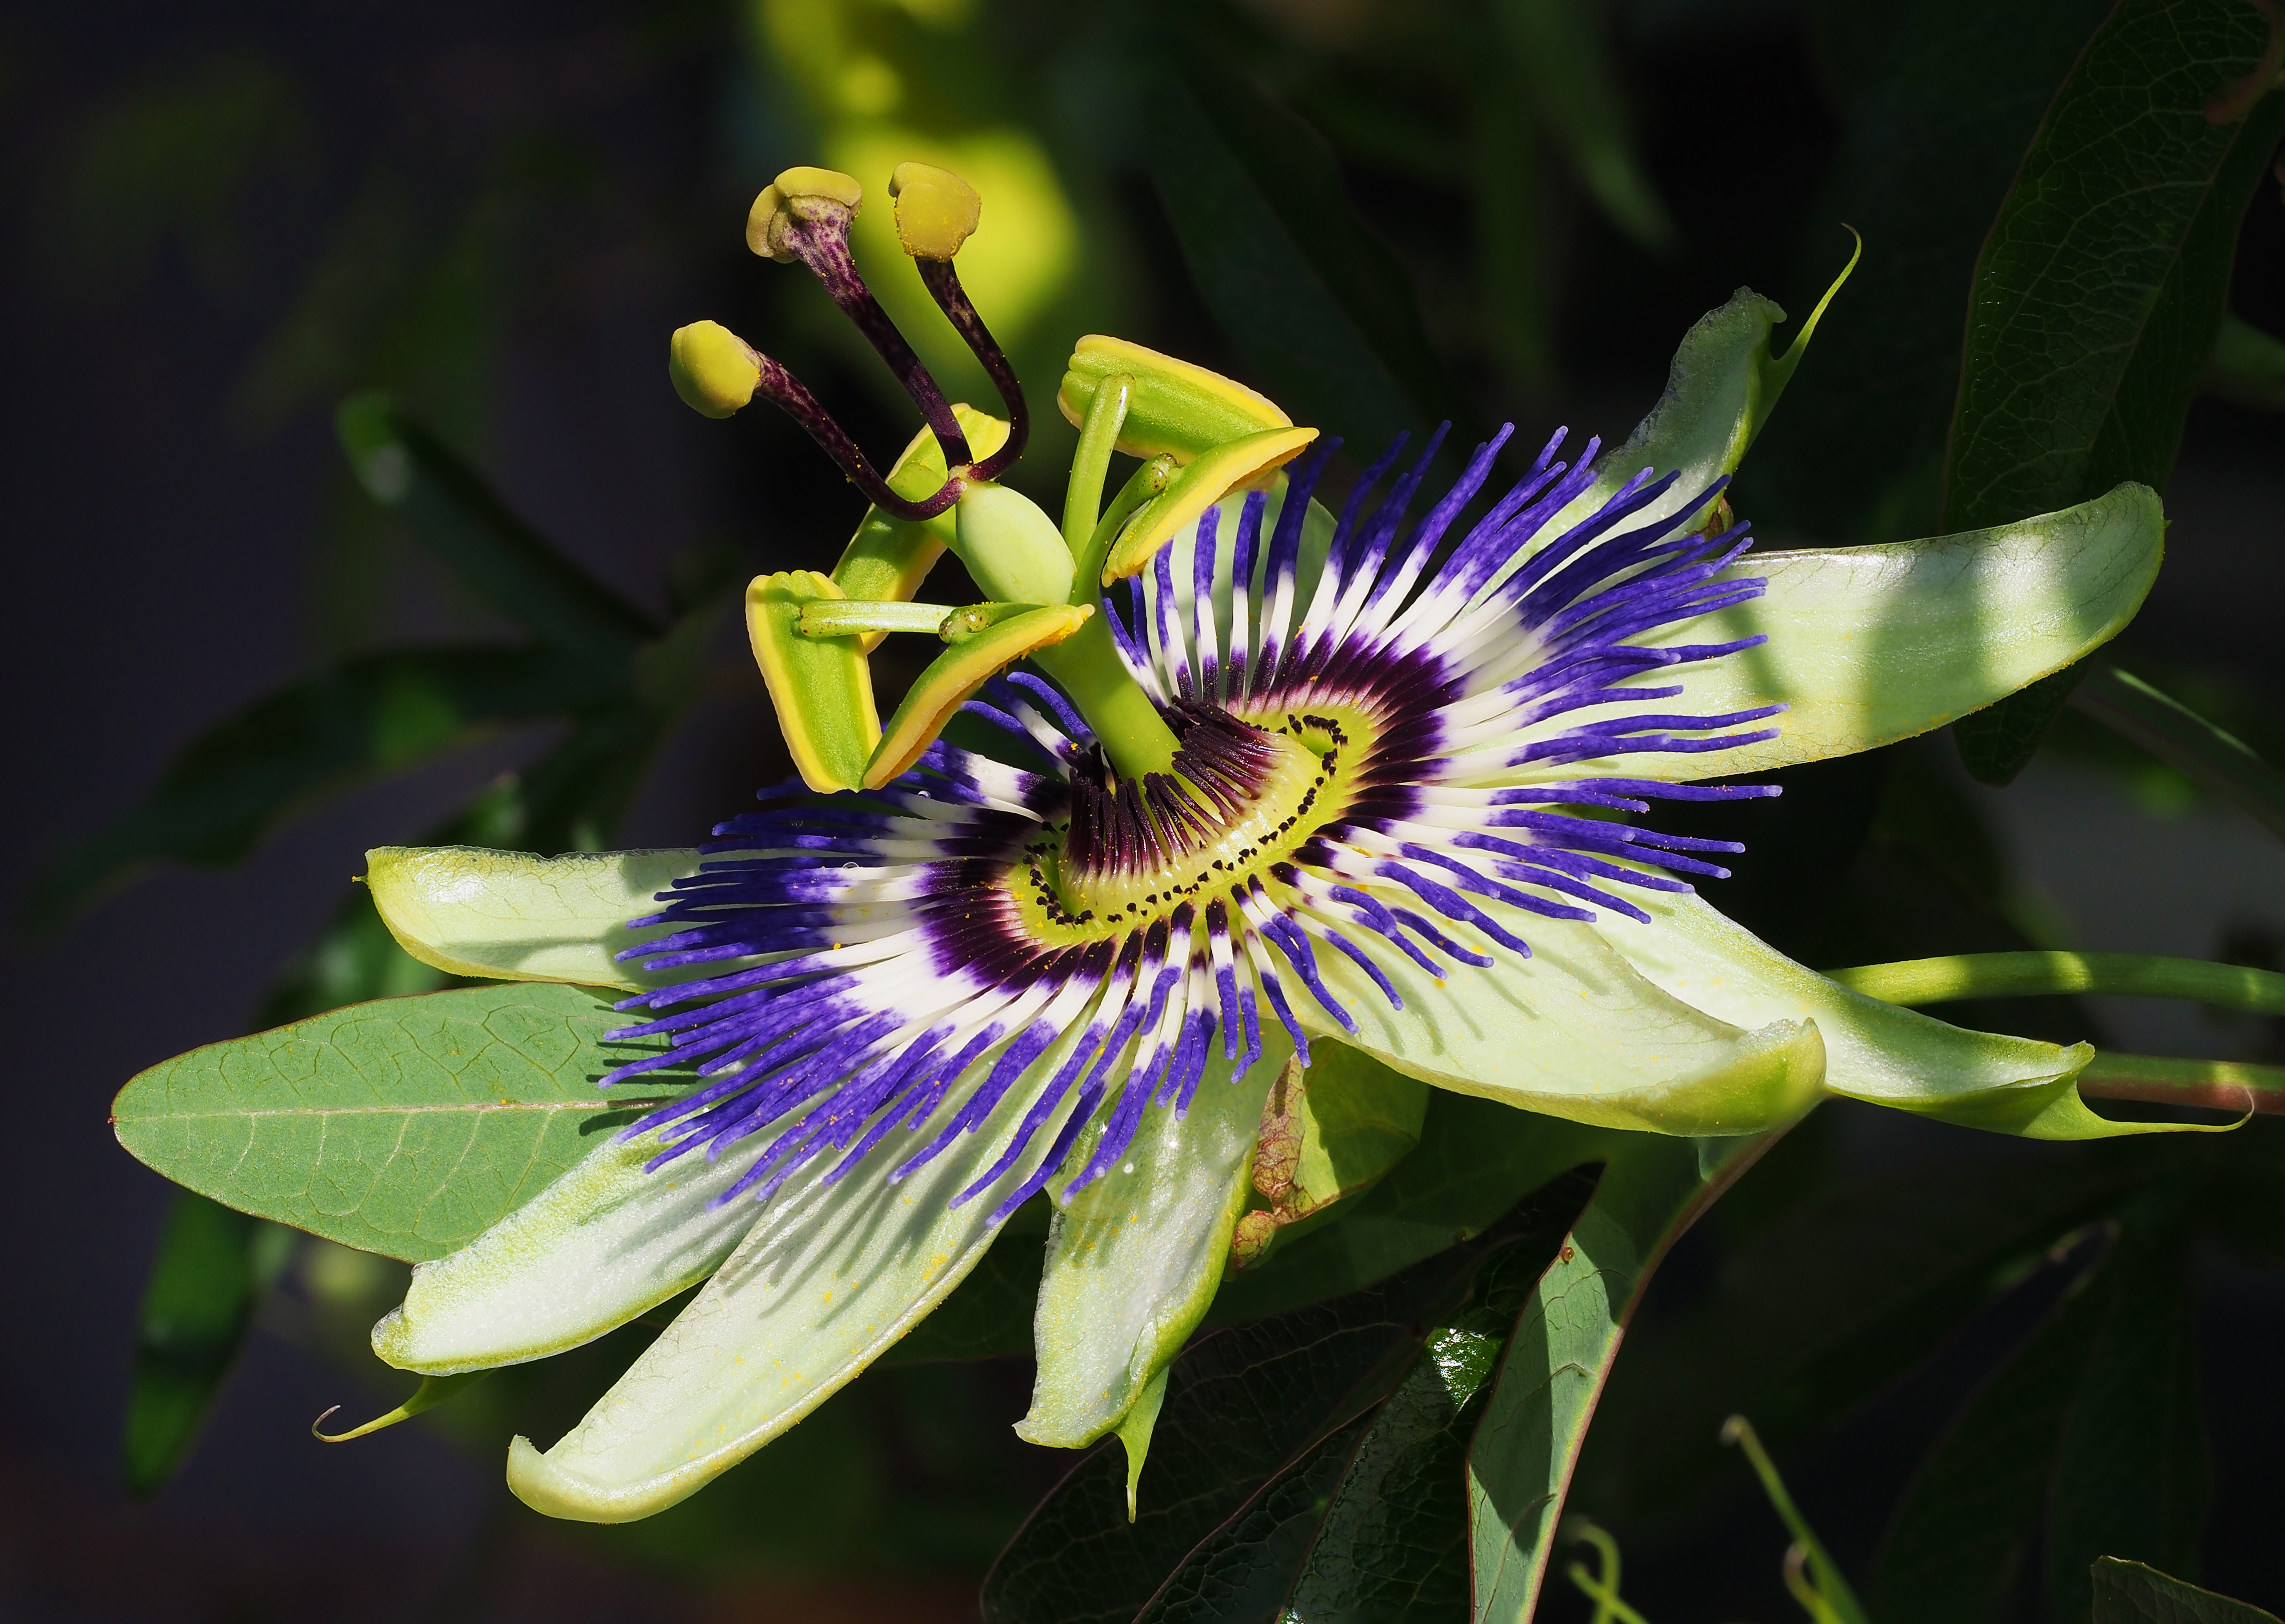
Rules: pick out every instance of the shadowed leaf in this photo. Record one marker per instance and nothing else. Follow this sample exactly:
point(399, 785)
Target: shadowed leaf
point(2100, 289)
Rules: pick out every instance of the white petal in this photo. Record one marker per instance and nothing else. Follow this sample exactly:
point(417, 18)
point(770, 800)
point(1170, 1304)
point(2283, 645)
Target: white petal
point(1871, 645)
point(594, 1249)
point(1573, 1031)
point(1133, 1260)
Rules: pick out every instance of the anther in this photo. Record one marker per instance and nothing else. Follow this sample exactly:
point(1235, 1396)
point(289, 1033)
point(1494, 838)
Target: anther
point(937, 212)
point(805, 215)
point(716, 372)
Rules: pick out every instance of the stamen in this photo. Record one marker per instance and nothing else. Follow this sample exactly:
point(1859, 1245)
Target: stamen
point(716, 372)
point(804, 214)
point(937, 211)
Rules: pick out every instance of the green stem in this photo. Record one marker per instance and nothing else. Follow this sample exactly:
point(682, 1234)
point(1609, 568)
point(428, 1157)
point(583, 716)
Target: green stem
point(1098, 437)
point(2217, 1085)
point(1087, 664)
point(2014, 975)
point(841, 616)
point(1825, 1589)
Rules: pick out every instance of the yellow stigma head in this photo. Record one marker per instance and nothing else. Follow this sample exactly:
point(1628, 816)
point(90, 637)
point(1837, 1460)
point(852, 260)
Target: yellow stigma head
point(937, 211)
point(803, 195)
point(712, 368)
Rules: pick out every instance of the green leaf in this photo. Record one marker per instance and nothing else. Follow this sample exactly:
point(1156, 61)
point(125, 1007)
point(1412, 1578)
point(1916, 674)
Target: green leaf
point(512, 915)
point(2208, 757)
point(242, 779)
point(2132, 1592)
point(1554, 1366)
point(1250, 1416)
point(1558, 50)
point(211, 1268)
point(2131, 1475)
point(455, 513)
point(1315, 301)
point(2102, 286)
point(2086, 1442)
point(2247, 367)
point(1820, 1311)
point(1135, 1257)
point(1388, 1537)
point(1931, 146)
point(406, 1127)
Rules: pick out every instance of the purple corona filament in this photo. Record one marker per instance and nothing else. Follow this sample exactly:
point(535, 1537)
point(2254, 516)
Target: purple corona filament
point(1382, 770)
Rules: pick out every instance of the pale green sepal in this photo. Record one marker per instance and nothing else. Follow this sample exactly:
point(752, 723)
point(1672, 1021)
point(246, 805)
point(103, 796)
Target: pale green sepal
point(594, 1249)
point(433, 1391)
point(1871, 645)
point(1876, 1052)
point(512, 916)
point(1720, 389)
point(829, 1277)
point(1134, 1433)
point(1573, 1031)
point(1134, 1259)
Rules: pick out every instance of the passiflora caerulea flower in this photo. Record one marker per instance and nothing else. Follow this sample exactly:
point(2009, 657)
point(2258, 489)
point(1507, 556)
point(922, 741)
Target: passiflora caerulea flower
point(1373, 791)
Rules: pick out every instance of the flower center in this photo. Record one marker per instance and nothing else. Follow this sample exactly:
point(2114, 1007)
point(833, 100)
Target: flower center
point(1241, 798)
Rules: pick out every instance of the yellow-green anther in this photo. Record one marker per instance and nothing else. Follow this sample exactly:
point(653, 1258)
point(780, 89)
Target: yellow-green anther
point(937, 211)
point(1176, 407)
point(952, 679)
point(977, 618)
point(1013, 551)
point(869, 617)
point(820, 686)
point(804, 194)
point(712, 368)
point(888, 558)
point(1239, 464)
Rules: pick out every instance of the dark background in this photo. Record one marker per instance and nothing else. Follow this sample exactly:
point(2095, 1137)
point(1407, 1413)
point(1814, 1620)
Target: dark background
point(220, 218)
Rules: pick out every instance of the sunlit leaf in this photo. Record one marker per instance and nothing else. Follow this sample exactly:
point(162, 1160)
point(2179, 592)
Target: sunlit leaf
point(405, 1127)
